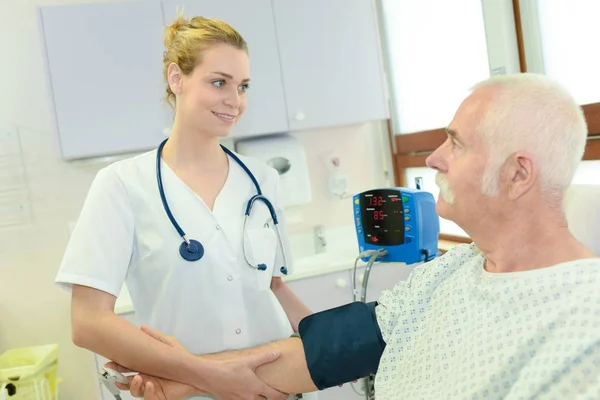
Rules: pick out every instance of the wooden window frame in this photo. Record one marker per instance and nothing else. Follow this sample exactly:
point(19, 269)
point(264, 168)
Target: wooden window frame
point(412, 149)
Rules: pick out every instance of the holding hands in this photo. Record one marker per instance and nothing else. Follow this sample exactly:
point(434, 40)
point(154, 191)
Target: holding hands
point(227, 379)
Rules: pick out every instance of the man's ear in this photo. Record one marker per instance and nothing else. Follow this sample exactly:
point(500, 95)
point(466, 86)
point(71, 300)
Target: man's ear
point(522, 174)
point(174, 77)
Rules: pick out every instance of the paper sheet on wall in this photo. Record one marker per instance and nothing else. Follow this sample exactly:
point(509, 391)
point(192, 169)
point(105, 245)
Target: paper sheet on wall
point(15, 205)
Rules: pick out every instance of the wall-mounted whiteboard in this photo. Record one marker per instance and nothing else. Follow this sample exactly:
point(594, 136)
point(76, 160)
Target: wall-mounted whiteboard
point(105, 69)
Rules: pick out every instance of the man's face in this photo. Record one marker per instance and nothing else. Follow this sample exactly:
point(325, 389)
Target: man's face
point(460, 162)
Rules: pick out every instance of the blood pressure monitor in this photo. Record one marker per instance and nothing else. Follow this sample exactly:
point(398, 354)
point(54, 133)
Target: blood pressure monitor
point(401, 220)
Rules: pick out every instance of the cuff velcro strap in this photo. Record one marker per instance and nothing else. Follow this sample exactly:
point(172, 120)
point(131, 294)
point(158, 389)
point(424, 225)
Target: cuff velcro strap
point(342, 344)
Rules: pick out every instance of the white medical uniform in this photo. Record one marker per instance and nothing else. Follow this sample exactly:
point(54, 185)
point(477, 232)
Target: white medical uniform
point(456, 331)
point(217, 303)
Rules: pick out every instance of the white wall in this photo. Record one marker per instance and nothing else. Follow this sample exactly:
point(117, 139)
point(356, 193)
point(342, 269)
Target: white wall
point(34, 311)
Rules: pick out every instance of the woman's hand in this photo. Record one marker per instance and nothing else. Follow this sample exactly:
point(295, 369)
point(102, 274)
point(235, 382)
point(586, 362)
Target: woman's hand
point(231, 378)
point(236, 379)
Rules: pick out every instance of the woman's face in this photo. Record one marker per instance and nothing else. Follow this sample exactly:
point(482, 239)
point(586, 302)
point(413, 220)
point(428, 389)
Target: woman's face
point(213, 97)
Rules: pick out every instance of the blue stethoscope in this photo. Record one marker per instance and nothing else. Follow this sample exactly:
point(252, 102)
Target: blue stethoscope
point(192, 250)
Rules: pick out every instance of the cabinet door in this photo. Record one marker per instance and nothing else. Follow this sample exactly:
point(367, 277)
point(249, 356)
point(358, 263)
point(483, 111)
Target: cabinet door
point(265, 110)
point(325, 291)
point(331, 60)
point(105, 72)
point(382, 277)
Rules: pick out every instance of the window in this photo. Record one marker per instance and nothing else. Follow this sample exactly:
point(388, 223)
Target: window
point(566, 39)
point(569, 40)
point(436, 50)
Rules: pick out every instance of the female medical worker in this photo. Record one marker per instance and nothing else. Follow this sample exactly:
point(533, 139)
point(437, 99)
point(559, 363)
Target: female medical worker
point(170, 223)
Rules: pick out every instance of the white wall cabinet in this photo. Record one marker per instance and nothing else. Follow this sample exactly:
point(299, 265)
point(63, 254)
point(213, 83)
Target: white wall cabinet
point(265, 112)
point(332, 68)
point(105, 71)
point(313, 64)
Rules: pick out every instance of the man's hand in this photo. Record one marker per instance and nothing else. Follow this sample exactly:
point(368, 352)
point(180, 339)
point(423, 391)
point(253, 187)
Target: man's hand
point(153, 388)
point(232, 379)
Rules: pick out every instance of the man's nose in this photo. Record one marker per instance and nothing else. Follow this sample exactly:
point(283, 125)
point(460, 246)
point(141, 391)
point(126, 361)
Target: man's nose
point(436, 160)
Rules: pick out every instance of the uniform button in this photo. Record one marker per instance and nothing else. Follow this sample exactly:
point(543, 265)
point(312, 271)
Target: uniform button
point(230, 278)
point(238, 331)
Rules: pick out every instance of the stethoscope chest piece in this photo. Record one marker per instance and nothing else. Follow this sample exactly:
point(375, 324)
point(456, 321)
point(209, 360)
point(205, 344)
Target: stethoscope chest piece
point(192, 251)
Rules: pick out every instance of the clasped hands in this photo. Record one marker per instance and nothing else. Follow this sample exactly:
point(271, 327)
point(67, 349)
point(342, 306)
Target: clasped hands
point(229, 379)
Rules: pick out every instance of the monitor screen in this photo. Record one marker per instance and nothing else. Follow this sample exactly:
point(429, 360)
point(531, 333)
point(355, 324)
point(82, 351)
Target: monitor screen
point(382, 214)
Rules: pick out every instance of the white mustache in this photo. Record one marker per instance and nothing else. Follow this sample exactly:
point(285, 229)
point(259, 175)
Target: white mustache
point(445, 190)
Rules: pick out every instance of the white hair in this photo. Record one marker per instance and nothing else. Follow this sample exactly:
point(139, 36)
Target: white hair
point(532, 113)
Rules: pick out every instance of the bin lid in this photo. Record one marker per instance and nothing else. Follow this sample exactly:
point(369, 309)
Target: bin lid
point(19, 364)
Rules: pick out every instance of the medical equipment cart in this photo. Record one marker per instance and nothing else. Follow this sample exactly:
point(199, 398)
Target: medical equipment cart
point(29, 373)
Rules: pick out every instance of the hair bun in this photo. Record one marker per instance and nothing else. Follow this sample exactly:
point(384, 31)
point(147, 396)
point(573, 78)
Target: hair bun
point(176, 25)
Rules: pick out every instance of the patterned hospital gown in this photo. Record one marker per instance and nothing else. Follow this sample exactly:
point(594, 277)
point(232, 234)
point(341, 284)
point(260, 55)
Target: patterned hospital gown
point(456, 331)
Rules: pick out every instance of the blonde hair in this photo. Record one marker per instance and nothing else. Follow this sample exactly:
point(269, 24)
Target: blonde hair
point(185, 40)
point(534, 113)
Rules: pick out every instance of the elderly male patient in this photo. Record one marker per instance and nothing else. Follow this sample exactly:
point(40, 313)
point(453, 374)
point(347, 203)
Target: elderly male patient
point(515, 315)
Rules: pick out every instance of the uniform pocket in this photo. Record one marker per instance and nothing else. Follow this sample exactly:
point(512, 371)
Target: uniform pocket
point(261, 248)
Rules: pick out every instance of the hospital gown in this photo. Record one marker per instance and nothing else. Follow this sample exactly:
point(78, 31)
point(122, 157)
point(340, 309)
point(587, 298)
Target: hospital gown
point(456, 331)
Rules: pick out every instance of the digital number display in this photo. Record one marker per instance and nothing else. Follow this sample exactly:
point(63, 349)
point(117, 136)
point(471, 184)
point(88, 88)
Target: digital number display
point(383, 217)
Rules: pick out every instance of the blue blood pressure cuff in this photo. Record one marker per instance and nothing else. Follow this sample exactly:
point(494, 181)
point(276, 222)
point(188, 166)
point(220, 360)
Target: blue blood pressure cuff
point(342, 344)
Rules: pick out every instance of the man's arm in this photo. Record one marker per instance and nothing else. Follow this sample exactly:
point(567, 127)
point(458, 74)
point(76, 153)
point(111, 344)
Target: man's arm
point(294, 307)
point(337, 346)
point(288, 374)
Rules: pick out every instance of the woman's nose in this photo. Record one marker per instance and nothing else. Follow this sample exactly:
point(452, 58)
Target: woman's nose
point(233, 99)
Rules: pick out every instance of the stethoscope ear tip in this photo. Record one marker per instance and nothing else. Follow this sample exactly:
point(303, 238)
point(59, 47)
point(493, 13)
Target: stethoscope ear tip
point(283, 270)
point(262, 267)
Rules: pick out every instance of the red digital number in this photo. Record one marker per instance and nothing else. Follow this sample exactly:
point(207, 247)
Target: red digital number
point(378, 215)
point(376, 201)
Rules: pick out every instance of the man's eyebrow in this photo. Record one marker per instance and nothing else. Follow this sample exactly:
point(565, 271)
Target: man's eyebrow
point(229, 76)
point(454, 134)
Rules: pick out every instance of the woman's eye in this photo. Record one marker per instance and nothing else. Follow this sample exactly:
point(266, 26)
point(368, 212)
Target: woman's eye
point(219, 83)
point(244, 87)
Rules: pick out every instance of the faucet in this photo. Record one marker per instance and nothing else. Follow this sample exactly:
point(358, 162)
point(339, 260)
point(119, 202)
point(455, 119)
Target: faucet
point(320, 242)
